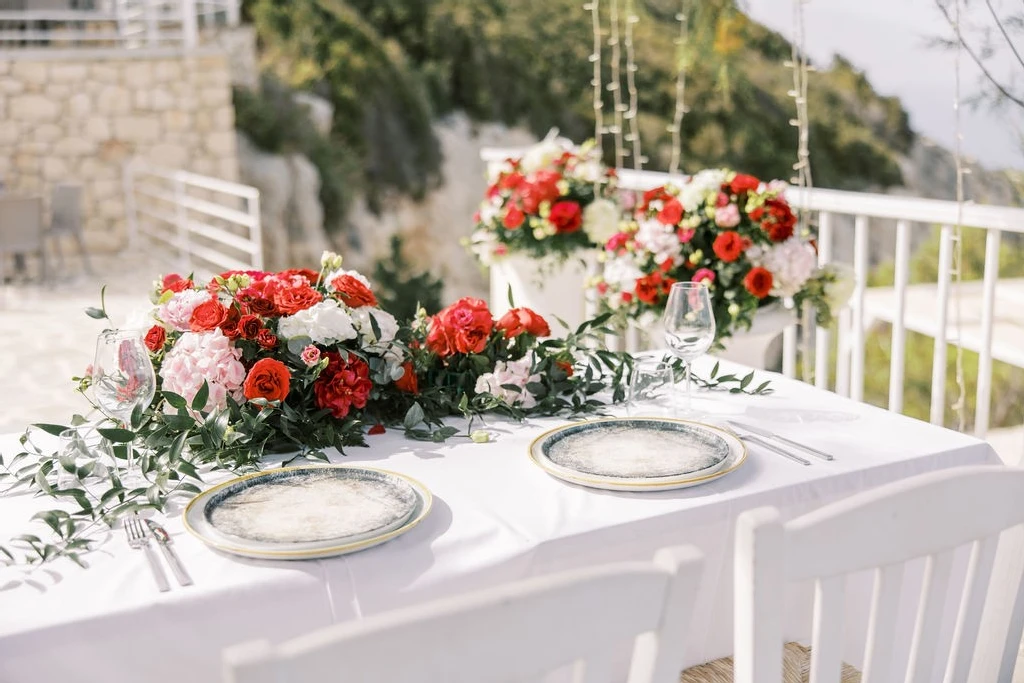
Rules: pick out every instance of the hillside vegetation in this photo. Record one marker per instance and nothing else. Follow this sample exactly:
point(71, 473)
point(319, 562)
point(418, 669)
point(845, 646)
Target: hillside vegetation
point(390, 67)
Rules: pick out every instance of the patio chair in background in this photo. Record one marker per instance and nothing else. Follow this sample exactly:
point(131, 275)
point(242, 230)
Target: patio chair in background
point(21, 231)
point(514, 632)
point(66, 210)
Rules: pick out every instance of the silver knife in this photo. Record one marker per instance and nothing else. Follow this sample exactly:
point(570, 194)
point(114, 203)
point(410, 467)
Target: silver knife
point(163, 539)
point(769, 446)
point(789, 442)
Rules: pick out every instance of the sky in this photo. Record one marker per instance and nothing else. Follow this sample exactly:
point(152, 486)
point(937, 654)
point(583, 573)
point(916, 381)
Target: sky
point(887, 40)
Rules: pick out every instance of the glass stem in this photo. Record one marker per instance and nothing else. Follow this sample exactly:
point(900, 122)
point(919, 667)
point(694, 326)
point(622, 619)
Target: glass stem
point(689, 406)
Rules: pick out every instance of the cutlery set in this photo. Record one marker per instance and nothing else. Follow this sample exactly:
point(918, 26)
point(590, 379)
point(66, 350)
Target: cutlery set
point(771, 442)
point(135, 528)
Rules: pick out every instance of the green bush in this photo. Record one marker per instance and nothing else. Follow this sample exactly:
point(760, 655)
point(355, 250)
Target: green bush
point(400, 289)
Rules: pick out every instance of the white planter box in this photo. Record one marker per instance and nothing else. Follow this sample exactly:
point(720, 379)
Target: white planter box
point(551, 288)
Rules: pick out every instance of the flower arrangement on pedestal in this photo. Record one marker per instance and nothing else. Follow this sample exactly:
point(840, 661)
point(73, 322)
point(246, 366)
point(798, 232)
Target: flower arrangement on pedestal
point(730, 230)
point(555, 200)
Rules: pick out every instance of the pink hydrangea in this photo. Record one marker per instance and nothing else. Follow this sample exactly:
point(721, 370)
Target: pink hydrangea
point(727, 216)
point(204, 356)
point(177, 311)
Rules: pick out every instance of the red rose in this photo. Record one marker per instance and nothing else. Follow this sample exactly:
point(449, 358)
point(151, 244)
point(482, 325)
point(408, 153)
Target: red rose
point(290, 300)
point(657, 194)
point(565, 367)
point(310, 276)
point(651, 288)
point(176, 283)
point(463, 327)
point(566, 216)
point(408, 382)
point(268, 379)
point(376, 429)
point(520, 320)
point(541, 186)
point(671, 212)
point(207, 315)
point(343, 384)
point(353, 292)
point(757, 213)
point(266, 339)
point(249, 326)
point(758, 282)
point(780, 221)
point(728, 246)
point(155, 338)
point(230, 325)
point(510, 181)
point(513, 218)
point(743, 183)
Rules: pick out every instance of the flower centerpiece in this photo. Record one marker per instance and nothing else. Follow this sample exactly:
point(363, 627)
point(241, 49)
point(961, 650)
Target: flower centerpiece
point(728, 229)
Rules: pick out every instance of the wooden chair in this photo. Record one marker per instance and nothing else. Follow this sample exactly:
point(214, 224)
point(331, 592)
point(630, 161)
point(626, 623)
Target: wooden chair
point(519, 631)
point(66, 210)
point(929, 516)
point(21, 231)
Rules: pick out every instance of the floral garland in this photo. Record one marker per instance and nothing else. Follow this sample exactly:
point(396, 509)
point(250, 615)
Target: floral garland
point(555, 200)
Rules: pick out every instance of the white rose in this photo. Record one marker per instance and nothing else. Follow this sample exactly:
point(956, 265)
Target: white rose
point(601, 220)
point(325, 323)
point(545, 152)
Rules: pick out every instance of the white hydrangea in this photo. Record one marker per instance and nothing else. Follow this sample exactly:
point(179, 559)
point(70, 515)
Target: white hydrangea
point(792, 263)
point(326, 322)
point(177, 311)
point(601, 220)
point(385, 322)
point(659, 239)
point(700, 186)
point(622, 272)
point(516, 373)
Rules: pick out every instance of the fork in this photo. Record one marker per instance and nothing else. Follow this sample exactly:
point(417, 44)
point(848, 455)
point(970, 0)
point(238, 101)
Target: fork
point(137, 540)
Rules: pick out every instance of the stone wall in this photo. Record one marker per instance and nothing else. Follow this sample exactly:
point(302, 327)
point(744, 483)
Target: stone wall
point(78, 118)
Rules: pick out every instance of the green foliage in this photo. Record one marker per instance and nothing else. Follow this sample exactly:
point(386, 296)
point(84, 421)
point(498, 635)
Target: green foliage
point(400, 290)
point(275, 122)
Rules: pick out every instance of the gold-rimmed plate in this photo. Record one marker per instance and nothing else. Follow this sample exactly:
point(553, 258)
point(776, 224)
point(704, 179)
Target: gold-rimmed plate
point(638, 453)
point(298, 513)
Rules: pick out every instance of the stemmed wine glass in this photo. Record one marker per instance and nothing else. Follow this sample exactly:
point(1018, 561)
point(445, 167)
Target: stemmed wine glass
point(689, 325)
point(122, 376)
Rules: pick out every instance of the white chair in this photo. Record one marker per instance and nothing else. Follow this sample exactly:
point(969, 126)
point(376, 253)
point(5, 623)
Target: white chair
point(929, 516)
point(66, 210)
point(21, 231)
point(518, 631)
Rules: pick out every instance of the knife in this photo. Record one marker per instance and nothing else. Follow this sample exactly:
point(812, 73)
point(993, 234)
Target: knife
point(770, 435)
point(773, 448)
point(163, 539)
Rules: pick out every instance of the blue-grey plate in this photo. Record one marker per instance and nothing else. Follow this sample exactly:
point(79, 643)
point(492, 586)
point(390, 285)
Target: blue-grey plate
point(306, 512)
point(638, 454)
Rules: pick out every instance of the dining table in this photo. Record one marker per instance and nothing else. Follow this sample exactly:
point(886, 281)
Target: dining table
point(496, 517)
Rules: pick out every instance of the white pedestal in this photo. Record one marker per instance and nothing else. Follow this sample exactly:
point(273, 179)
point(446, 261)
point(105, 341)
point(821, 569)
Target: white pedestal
point(553, 289)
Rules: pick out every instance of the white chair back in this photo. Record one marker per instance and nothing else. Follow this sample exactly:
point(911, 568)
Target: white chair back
point(516, 632)
point(929, 516)
point(21, 229)
point(66, 208)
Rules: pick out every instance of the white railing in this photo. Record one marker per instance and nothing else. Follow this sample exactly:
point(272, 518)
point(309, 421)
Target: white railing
point(829, 205)
point(204, 225)
point(112, 23)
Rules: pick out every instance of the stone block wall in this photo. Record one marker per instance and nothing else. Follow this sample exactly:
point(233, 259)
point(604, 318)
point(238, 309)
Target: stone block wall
point(79, 118)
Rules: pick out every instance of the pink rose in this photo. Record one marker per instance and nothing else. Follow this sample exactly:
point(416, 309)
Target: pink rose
point(310, 356)
point(727, 216)
point(704, 275)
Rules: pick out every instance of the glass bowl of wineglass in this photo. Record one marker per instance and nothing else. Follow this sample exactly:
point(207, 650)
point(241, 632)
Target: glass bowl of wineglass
point(689, 323)
point(122, 377)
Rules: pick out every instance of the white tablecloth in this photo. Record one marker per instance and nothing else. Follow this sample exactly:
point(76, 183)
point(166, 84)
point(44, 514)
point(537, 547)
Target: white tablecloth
point(496, 518)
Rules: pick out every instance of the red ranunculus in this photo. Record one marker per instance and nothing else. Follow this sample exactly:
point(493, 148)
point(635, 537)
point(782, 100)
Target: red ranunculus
point(207, 315)
point(290, 300)
point(343, 385)
point(651, 288)
point(266, 339)
point(513, 218)
point(269, 379)
point(408, 382)
point(758, 282)
point(353, 292)
point(539, 187)
point(520, 320)
point(728, 246)
point(155, 338)
point(743, 183)
point(671, 212)
point(463, 327)
point(566, 216)
point(249, 326)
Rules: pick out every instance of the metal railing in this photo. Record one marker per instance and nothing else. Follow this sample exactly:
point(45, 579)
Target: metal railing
point(864, 208)
point(123, 24)
point(205, 225)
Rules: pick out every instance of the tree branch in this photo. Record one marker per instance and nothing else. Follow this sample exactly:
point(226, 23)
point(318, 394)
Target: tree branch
point(1002, 29)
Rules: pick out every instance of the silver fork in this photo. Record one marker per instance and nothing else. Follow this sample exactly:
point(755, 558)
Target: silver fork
point(137, 539)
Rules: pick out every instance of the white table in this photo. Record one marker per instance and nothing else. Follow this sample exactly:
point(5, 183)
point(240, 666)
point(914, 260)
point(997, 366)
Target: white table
point(496, 518)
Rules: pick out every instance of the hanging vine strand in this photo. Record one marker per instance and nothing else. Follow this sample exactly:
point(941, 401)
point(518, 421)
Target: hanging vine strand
point(615, 86)
point(801, 68)
point(960, 402)
point(677, 119)
point(595, 59)
point(631, 114)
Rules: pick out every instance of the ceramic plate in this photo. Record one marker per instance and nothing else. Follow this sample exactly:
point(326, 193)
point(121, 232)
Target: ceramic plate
point(307, 512)
point(638, 454)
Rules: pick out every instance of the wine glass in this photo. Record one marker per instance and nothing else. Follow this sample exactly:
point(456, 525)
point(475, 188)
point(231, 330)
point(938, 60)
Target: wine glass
point(689, 325)
point(122, 376)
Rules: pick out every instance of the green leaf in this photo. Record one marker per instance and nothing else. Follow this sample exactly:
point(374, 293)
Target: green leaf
point(117, 435)
point(174, 454)
point(50, 428)
point(511, 302)
point(96, 313)
point(413, 416)
point(201, 397)
point(176, 400)
point(745, 382)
